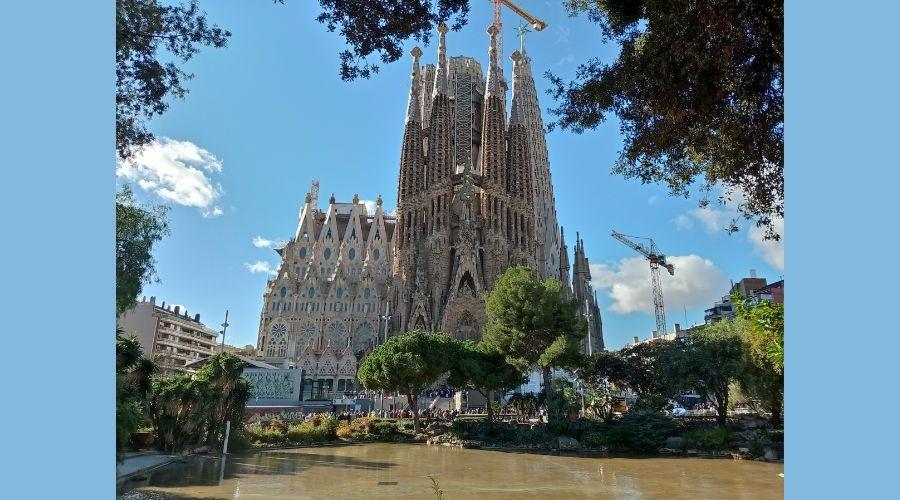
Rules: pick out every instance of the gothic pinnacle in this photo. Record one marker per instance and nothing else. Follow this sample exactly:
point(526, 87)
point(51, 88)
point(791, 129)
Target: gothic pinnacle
point(440, 80)
point(495, 71)
point(413, 112)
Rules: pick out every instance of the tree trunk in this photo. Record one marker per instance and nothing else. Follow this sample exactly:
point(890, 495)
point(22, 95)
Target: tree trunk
point(414, 406)
point(722, 410)
point(548, 390)
point(777, 403)
point(487, 405)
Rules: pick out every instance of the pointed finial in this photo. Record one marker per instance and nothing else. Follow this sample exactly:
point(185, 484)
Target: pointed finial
point(495, 76)
point(522, 29)
point(412, 109)
point(308, 197)
point(440, 79)
point(378, 201)
point(355, 199)
point(331, 199)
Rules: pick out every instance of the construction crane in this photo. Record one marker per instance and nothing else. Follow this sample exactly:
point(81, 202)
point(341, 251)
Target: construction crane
point(656, 259)
point(536, 23)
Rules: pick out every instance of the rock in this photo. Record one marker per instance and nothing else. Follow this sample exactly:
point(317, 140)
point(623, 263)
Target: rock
point(675, 443)
point(470, 444)
point(568, 444)
point(770, 454)
point(744, 450)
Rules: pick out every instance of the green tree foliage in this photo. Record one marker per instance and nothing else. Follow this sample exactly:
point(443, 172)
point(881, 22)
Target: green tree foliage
point(479, 368)
point(524, 405)
point(223, 371)
point(643, 368)
point(767, 323)
point(138, 228)
point(708, 360)
point(179, 408)
point(408, 363)
point(698, 87)
point(379, 28)
point(133, 373)
point(150, 39)
point(533, 323)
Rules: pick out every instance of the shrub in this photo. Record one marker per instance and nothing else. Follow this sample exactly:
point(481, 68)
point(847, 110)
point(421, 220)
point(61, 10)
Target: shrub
point(535, 435)
point(273, 435)
point(714, 439)
point(361, 425)
point(593, 439)
point(640, 432)
point(776, 435)
point(277, 425)
point(385, 430)
point(758, 446)
point(239, 441)
point(344, 432)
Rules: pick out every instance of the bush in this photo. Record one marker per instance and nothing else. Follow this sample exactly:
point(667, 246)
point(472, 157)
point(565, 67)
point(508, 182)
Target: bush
point(758, 446)
point(593, 439)
point(535, 435)
point(309, 432)
point(714, 439)
point(239, 441)
point(273, 436)
point(277, 425)
point(344, 432)
point(776, 435)
point(385, 430)
point(640, 432)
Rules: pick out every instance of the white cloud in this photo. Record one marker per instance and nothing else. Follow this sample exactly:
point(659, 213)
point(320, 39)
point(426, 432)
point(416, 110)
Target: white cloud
point(771, 251)
point(260, 242)
point(370, 206)
point(683, 222)
point(697, 283)
point(176, 171)
point(562, 33)
point(567, 59)
point(713, 220)
point(260, 267)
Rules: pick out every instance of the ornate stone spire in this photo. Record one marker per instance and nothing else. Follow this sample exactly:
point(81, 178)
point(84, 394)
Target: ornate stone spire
point(516, 111)
point(440, 80)
point(413, 111)
point(495, 70)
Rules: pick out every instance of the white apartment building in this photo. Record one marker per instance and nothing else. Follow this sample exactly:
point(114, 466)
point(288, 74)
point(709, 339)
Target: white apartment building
point(169, 335)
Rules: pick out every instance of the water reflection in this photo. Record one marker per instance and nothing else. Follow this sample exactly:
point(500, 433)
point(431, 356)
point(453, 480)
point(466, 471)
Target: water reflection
point(400, 471)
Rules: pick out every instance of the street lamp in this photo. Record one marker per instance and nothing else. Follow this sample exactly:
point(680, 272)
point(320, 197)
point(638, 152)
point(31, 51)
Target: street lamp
point(387, 319)
point(580, 389)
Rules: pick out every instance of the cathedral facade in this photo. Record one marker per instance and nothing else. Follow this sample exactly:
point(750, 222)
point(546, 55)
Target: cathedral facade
point(474, 197)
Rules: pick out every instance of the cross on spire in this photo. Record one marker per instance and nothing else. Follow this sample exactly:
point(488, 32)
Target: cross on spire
point(522, 29)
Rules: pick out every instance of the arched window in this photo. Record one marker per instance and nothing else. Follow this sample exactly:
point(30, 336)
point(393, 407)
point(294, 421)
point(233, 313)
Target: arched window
point(303, 253)
point(327, 254)
point(311, 293)
point(283, 291)
point(339, 293)
point(351, 254)
point(376, 254)
point(367, 294)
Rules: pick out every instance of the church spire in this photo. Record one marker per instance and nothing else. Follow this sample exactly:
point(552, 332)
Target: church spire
point(440, 79)
point(413, 110)
point(495, 70)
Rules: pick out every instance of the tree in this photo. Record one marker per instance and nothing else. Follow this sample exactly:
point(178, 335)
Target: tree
point(381, 26)
point(180, 407)
point(133, 373)
point(223, 371)
point(138, 228)
point(479, 368)
point(708, 360)
point(532, 322)
point(699, 90)
point(767, 322)
point(407, 363)
point(643, 368)
point(697, 86)
point(147, 35)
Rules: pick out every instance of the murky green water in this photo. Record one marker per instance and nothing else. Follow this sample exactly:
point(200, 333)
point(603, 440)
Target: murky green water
point(400, 471)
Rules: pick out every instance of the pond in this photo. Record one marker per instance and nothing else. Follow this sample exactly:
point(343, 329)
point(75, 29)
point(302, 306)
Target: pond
point(383, 470)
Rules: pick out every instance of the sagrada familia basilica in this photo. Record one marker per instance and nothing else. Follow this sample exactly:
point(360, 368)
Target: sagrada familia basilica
point(474, 197)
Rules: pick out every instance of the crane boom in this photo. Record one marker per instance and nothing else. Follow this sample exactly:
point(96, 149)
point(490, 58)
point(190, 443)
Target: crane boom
point(536, 23)
point(656, 258)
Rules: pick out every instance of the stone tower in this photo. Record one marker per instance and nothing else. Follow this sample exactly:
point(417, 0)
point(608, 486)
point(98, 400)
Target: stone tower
point(474, 196)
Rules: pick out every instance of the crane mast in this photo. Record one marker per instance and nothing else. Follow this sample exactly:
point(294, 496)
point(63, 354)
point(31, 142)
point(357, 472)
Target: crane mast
point(536, 23)
point(656, 259)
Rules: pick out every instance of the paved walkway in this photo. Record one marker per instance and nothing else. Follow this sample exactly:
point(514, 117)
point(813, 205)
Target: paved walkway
point(136, 462)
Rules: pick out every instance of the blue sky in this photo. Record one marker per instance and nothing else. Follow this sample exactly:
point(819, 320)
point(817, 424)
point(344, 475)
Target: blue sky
point(269, 113)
